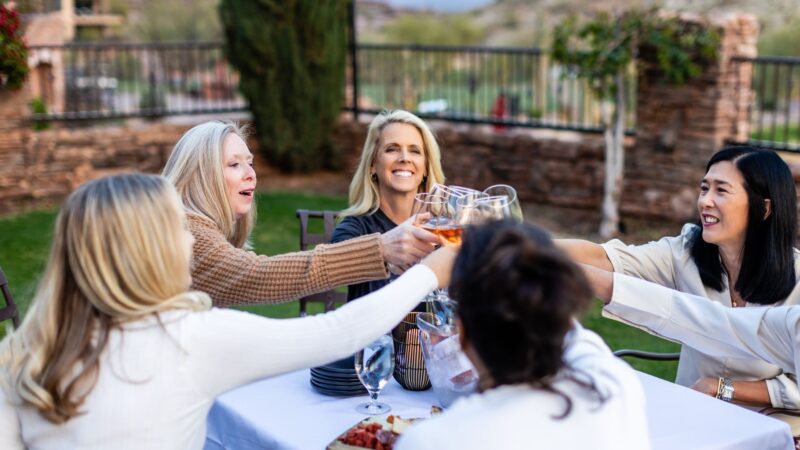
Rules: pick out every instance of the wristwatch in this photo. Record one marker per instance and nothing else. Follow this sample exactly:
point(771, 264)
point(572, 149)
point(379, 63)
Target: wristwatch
point(725, 389)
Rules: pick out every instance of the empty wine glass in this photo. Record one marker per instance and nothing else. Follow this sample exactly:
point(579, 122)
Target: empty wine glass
point(513, 201)
point(456, 195)
point(374, 366)
point(485, 209)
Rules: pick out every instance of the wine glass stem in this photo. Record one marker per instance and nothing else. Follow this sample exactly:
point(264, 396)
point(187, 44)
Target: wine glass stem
point(373, 399)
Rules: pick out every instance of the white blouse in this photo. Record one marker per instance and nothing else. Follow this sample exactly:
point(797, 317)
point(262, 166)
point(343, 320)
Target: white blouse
point(157, 383)
point(769, 334)
point(522, 417)
point(668, 263)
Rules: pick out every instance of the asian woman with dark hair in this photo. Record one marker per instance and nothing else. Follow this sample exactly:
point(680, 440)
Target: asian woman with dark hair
point(739, 254)
point(545, 382)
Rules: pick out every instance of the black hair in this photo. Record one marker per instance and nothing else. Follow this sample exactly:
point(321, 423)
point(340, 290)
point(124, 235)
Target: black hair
point(767, 273)
point(516, 291)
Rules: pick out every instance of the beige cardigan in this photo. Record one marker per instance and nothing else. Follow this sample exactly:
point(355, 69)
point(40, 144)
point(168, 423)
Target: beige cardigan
point(234, 276)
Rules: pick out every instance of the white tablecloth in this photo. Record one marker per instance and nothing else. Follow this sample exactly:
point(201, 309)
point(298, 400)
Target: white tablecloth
point(286, 413)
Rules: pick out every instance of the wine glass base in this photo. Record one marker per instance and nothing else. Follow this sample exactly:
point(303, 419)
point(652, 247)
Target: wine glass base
point(373, 409)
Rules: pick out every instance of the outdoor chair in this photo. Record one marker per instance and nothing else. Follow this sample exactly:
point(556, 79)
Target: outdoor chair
point(10, 310)
point(308, 240)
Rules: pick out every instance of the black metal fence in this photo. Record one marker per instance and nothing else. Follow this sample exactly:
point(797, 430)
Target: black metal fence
point(507, 86)
point(502, 86)
point(774, 110)
point(106, 81)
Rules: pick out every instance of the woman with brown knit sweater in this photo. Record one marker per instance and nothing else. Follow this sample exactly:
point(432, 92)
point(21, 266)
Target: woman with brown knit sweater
point(212, 169)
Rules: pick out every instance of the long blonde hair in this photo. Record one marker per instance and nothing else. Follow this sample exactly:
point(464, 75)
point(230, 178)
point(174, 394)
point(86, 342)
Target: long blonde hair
point(195, 168)
point(364, 195)
point(116, 256)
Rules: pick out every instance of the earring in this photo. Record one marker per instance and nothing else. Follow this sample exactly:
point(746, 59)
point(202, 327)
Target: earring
point(375, 177)
point(424, 179)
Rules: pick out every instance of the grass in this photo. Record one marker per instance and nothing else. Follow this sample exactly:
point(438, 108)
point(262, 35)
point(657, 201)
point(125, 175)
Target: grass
point(25, 240)
point(789, 135)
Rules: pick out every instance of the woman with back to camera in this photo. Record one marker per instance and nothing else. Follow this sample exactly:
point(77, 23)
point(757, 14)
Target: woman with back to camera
point(115, 352)
point(545, 381)
point(400, 158)
point(212, 169)
point(740, 254)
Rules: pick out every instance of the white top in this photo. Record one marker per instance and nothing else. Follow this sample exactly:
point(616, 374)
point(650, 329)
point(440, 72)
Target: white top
point(521, 417)
point(668, 263)
point(769, 334)
point(157, 384)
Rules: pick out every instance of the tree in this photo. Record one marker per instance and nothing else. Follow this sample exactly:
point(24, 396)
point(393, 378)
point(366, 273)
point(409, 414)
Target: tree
point(290, 55)
point(600, 50)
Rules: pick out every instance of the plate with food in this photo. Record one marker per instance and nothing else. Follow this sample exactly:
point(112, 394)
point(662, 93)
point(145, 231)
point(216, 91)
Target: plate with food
point(379, 433)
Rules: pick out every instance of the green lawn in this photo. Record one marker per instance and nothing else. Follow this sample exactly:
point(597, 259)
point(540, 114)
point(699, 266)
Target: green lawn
point(789, 135)
point(24, 243)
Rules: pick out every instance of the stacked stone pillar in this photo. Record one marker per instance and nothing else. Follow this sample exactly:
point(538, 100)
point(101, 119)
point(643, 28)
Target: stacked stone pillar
point(678, 128)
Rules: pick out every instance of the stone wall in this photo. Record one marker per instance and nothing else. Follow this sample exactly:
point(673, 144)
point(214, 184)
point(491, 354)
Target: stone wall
point(40, 169)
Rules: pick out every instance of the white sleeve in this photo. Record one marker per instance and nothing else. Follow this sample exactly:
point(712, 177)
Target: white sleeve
point(10, 432)
point(653, 261)
point(766, 333)
point(231, 348)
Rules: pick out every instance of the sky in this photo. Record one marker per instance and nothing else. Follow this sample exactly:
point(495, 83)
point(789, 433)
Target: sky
point(440, 5)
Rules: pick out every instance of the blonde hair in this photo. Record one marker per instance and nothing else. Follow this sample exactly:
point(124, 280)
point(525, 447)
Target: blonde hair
point(116, 256)
point(364, 195)
point(195, 168)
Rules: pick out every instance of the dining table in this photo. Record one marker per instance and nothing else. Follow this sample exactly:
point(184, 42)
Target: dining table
point(285, 412)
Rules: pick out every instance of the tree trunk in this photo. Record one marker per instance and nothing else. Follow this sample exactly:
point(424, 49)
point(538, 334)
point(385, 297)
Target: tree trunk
point(615, 161)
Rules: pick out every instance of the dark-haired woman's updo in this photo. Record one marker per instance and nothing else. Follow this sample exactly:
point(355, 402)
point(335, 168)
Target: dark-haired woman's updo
point(517, 295)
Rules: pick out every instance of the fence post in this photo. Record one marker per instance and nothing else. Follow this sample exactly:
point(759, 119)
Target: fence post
point(540, 84)
point(353, 57)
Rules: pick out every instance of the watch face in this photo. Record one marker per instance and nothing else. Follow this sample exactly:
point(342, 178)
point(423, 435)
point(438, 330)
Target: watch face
point(727, 392)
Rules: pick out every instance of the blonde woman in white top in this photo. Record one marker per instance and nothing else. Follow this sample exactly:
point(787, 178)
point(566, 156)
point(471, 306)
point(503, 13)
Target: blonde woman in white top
point(117, 353)
point(740, 254)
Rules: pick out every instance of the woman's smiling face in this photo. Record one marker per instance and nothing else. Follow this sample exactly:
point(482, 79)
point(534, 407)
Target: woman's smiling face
point(723, 205)
point(400, 159)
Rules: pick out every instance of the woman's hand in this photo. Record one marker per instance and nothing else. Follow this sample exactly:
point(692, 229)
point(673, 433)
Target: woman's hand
point(404, 245)
point(441, 263)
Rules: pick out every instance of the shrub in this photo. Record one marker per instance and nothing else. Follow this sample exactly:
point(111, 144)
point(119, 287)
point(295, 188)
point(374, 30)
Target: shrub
point(13, 51)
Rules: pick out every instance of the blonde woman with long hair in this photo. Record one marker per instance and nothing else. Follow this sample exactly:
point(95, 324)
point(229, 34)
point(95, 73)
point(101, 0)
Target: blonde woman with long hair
point(400, 158)
point(212, 169)
point(116, 352)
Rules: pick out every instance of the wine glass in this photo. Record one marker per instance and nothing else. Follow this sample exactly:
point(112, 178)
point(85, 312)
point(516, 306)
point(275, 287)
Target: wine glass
point(484, 210)
point(513, 201)
point(455, 195)
point(440, 217)
point(374, 366)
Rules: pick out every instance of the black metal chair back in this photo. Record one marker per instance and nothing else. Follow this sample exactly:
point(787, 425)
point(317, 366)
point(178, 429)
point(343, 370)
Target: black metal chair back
point(308, 240)
point(9, 311)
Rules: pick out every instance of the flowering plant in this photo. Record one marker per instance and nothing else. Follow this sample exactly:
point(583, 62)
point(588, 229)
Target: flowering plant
point(13, 51)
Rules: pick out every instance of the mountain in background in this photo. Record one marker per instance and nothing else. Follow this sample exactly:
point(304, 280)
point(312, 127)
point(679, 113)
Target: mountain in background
point(529, 22)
